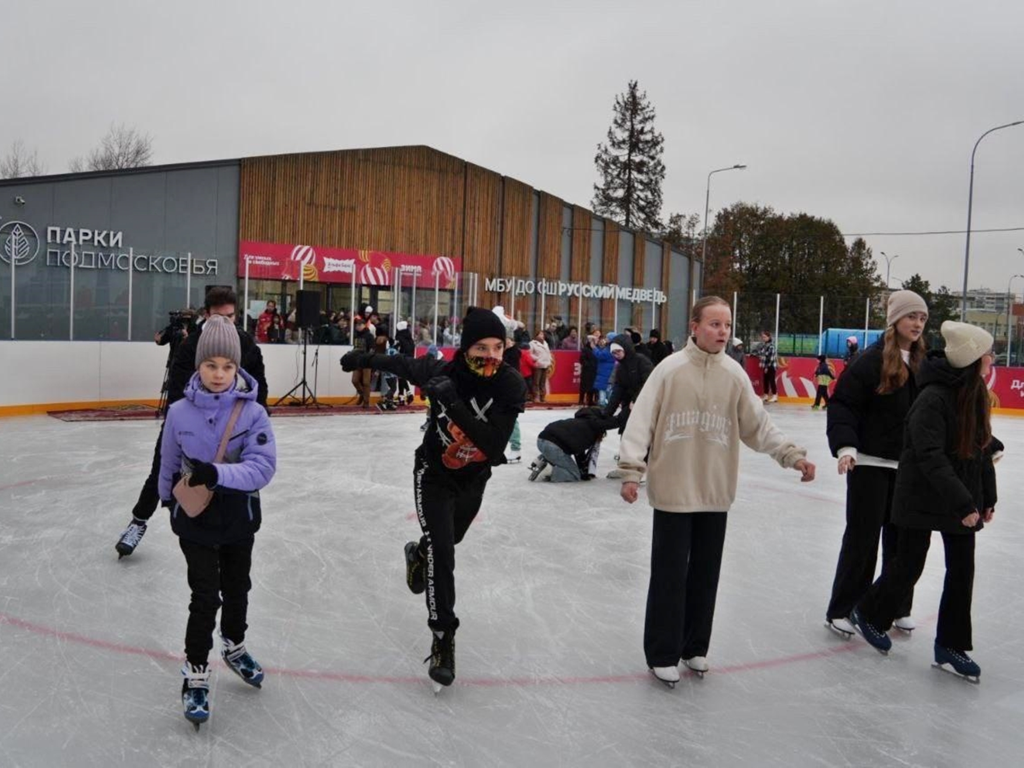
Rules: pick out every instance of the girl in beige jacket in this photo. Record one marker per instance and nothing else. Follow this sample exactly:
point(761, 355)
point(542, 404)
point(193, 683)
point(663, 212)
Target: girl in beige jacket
point(685, 432)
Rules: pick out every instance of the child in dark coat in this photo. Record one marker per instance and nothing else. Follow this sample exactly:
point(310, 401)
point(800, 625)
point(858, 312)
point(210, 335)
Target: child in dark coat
point(217, 543)
point(823, 375)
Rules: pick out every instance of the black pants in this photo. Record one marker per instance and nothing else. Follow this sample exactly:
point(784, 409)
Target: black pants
point(881, 605)
point(686, 558)
point(821, 394)
point(768, 380)
point(149, 497)
point(216, 574)
point(445, 514)
point(869, 492)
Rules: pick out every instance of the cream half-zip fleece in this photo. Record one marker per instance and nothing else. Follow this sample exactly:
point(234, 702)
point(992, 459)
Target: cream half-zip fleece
point(692, 414)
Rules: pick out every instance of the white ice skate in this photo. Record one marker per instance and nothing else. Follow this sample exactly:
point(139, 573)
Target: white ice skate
point(513, 458)
point(667, 675)
point(773, 399)
point(842, 627)
point(697, 664)
point(905, 624)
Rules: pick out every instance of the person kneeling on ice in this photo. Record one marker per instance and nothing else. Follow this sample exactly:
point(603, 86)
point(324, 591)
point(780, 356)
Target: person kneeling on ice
point(567, 445)
point(474, 401)
point(946, 482)
point(685, 432)
point(217, 436)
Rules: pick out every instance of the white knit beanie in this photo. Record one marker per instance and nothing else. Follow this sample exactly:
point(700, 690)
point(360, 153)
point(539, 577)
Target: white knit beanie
point(901, 304)
point(965, 344)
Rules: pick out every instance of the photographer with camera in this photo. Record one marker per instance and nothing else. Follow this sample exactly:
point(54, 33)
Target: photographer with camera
point(219, 301)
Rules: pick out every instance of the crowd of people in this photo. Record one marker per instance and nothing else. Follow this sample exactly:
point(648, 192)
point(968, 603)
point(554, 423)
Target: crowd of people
point(910, 429)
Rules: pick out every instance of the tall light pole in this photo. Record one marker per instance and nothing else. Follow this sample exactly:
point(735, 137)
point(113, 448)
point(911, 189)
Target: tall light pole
point(970, 203)
point(1009, 304)
point(888, 263)
point(707, 203)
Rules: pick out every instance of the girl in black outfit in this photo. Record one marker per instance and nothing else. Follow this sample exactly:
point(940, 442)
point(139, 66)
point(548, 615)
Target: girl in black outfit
point(946, 483)
point(588, 372)
point(474, 402)
point(865, 432)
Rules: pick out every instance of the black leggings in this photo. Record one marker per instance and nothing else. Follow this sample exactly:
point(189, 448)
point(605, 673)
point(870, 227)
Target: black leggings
point(768, 379)
point(445, 514)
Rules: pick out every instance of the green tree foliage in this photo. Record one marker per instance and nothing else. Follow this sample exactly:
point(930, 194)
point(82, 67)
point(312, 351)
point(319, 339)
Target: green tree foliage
point(758, 253)
point(630, 164)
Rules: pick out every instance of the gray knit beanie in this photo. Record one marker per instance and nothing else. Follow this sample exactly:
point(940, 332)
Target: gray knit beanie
point(218, 338)
point(901, 304)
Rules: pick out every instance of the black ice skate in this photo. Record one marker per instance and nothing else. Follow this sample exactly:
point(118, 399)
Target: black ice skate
point(957, 663)
point(242, 663)
point(130, 538)
point(876, 638)
point(415, 568)
point(442, 660)
point(195, 693)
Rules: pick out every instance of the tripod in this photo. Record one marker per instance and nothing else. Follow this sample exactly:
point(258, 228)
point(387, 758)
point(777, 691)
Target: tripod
point(306, 395)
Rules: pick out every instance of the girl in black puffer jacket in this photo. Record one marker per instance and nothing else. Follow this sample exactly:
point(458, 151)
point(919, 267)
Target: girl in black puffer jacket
point(865, 432)
point(946, 483)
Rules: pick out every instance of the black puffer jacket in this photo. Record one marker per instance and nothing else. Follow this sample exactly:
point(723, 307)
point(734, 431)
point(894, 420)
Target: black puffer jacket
point(406, 345)
point(935, 488)
point(630, 376)
point(859, 417)
point(578, 434)
point(588, 367)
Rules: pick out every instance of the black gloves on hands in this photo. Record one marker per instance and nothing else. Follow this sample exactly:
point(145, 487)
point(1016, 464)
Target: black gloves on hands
point(441, 390)
point(203, 474)
point(354, 360)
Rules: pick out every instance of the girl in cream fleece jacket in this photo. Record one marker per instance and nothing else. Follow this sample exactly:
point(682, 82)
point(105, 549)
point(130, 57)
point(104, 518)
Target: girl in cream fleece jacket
point(685, 432)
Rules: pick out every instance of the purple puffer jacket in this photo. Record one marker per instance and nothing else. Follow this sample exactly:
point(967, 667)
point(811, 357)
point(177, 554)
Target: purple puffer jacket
point(192, 432)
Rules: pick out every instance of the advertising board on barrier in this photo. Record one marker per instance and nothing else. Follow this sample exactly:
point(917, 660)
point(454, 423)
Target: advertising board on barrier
point(285, 261)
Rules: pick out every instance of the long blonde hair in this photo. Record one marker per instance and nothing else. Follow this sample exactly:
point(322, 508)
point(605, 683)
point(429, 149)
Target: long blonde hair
point(894, 373)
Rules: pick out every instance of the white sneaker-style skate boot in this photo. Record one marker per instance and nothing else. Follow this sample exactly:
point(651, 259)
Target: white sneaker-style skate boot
point(841, 626)
point(667, 675)
point(905, 624)
point(697, 664)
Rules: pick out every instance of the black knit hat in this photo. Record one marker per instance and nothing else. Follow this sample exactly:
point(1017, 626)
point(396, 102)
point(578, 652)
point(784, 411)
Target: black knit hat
point(480, 324)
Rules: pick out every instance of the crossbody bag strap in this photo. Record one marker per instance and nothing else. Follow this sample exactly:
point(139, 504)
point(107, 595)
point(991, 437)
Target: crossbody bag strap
point(222, 449)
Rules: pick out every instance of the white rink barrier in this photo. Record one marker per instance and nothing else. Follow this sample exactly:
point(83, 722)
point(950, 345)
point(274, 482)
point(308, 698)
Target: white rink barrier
point(37, 376)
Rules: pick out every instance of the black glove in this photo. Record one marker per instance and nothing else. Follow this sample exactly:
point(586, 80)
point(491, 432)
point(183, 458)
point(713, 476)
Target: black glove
point(203, 474)
point(441, 390)
point(354, 360)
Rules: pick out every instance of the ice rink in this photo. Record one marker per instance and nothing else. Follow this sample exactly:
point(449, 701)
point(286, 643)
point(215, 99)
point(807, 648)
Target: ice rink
point(552, 581)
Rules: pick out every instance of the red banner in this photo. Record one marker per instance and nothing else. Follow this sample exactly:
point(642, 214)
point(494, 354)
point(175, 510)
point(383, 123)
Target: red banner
point(281, 261)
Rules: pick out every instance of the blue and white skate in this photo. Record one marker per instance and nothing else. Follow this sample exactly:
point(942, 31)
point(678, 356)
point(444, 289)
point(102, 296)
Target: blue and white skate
point(242, 663)
point(195, 693)
point(876, 638)
point(957, 663)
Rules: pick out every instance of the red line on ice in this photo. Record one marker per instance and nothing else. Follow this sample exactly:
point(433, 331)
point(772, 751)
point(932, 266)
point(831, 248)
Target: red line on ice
point(344, 677)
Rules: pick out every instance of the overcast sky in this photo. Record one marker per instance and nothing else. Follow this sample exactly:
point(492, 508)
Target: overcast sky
point(862, 112)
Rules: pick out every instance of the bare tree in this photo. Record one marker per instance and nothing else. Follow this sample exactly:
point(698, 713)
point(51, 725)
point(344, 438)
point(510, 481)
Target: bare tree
point(122, 147)
point(19, 162)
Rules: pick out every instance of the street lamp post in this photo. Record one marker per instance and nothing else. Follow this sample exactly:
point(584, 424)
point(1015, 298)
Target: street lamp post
point(707, 204)
point(888, 263)
point(1009, 331)
point(970, 203)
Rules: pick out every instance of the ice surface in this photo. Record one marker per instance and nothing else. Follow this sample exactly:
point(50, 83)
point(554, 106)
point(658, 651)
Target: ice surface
point(552, 583)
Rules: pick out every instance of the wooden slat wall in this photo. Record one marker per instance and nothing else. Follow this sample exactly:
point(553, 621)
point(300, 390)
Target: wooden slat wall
point(420, 201)
point(641, 314)
point(579, 266)
point(610, 271)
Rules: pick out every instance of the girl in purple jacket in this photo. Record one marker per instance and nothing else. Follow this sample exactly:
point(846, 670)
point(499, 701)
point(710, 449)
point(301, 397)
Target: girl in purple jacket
point(218, 542)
